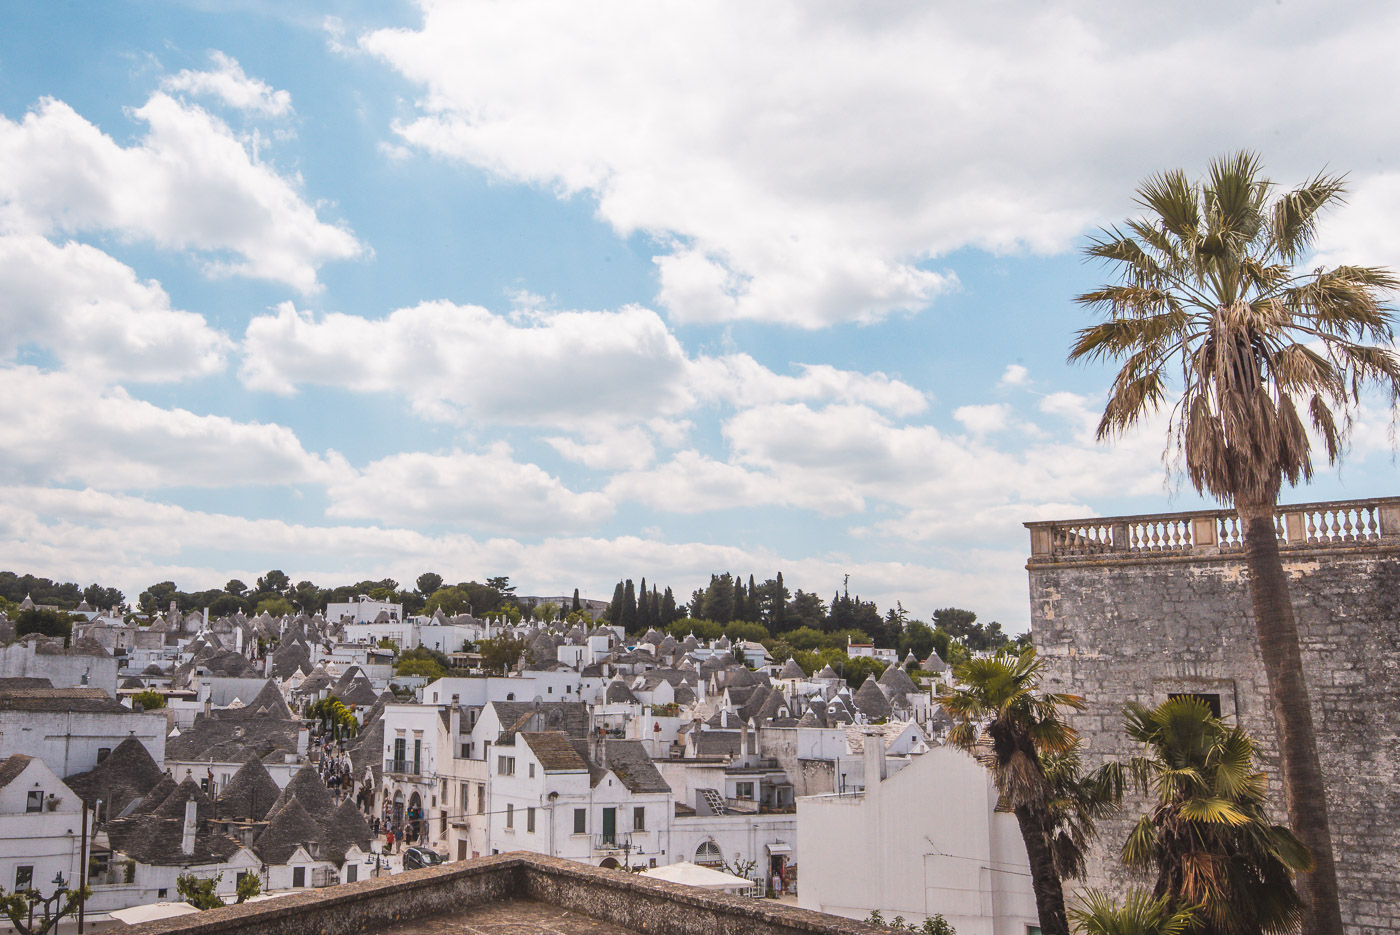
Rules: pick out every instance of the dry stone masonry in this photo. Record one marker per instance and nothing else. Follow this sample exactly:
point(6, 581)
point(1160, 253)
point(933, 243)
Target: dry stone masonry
point(1138, 608)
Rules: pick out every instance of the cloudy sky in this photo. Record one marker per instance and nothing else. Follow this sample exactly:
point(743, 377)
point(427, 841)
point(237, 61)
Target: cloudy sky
point(571, 292)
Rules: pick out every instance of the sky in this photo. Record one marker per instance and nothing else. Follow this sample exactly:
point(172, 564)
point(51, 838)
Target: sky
point(575, 292)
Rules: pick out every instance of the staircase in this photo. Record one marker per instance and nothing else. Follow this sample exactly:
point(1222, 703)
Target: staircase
point(713, 799)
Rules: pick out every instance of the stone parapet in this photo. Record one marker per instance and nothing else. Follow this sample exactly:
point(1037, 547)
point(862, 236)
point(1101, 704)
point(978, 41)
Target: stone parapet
point(628, 901)
point(1337, 524)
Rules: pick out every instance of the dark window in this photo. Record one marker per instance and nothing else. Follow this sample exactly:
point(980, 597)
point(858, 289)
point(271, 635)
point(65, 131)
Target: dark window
point(639, 819)
point(1212, 700)
point(162, 894)
point(35, 801)
point(24, 878)
point(352, 872)
point(510, 816)
point(102, 753)
point(298, 876)
point(580, 820)
point(530, 819)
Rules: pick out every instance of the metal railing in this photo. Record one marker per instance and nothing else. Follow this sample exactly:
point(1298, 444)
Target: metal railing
point(616, 841)
point(405, 767)
point(1343, 523)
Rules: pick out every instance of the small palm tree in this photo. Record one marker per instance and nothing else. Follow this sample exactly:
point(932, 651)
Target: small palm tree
point(1016, 731)
point(1139, 913)
point(1211, 310)
point(1207, 836)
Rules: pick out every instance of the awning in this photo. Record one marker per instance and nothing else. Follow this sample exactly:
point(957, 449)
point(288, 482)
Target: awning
point(779, 849)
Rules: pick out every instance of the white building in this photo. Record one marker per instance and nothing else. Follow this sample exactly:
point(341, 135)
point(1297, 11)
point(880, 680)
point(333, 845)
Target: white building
point(71, 729)
point(364, 609)
point(40, 826)
point(597, 801)
point(927, 839)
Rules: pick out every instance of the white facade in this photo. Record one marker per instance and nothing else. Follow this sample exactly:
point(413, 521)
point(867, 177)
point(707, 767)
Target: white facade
point(40, 827)
point(71, 741)
point(560, 812)
point(925, 840)
point(552, 685)
point(65, 670)
point(363, 610)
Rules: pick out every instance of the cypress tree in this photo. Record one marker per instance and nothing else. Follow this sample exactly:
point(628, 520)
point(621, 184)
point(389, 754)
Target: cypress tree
point(668, 608)
point(644, 616)
point(741, 606)
point(615, 608)
point(578, 605)
point(629, 606)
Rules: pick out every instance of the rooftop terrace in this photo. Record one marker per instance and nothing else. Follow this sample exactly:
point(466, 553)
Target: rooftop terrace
point(1338, 524)
point(509, 893)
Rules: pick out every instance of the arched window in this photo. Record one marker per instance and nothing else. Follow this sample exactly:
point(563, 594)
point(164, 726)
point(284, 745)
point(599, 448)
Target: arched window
point(708, 855)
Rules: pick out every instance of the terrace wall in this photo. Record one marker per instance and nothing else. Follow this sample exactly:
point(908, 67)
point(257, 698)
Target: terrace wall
point(1136, 608)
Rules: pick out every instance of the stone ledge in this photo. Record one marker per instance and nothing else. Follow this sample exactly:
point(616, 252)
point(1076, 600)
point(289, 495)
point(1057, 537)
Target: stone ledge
point(628, 900)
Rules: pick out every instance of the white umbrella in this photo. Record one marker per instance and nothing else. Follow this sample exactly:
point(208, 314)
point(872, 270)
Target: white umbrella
point(696, 875)
point(135, 915)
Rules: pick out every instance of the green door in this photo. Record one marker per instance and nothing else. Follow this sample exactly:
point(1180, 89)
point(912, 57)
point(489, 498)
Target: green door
point(609, 825)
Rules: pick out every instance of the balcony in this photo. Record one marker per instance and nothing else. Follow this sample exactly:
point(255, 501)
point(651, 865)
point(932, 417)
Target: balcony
point(402, 767)
point(1346, 524)
point(618, 841)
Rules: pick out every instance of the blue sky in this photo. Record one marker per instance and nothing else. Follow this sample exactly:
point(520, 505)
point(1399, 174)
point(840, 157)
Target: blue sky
point(572, 293)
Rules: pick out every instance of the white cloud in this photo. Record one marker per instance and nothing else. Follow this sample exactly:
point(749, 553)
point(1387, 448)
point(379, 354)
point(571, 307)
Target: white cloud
point(97, 317)
point(980, 420)
point(1014, 375)
point(187, 184)
point(608, 448)
point(228, 82)
point(589, 371)
point(130, 542)
point(61, 428)
point(691, 482)
point(489, 491)
point(806, 166)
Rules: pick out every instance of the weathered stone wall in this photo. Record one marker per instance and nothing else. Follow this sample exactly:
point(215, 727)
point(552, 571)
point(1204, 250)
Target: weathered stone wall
point(628, 900)
point(1121, 628)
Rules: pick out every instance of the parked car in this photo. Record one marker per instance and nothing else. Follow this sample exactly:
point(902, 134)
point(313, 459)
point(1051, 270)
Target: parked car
point(415, 858)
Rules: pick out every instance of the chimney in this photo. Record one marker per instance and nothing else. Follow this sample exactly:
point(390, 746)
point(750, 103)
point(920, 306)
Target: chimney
point(303, 739)
point(187, 838)
point(744, 741)
point(208, 707)
point(874, 762)
point(454, 723)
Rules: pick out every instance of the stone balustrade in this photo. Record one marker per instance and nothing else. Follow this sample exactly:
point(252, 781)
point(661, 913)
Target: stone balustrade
point(1334, 524)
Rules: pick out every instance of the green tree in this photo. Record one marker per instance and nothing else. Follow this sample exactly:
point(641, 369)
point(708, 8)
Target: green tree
point(450, 600)
point(19, 907)
point(1212, 311)
point(200, 892)
point(428, 582)
point(149, 700)
point(1139, 913)
point(1000, 695)
point(628, 616)
point(1207, 835)
point(45, 621)
point(274, 605)
point(615, 607)
point(249, 885)
point(235, 587)
point(577, 605)
point(157, 597)
point(274, 582)
point(861, 668)
point(500, 655)
point(917, 638)
point(423, 667)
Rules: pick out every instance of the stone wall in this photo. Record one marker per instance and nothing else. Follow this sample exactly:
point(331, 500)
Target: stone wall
point(628, 900)
point(1116, 628)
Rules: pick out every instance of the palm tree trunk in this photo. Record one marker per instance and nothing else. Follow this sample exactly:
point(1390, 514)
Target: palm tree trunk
point(1304, 792)
point(1045, 880)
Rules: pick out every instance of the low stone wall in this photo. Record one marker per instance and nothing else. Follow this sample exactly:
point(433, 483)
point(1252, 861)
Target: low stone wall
point(356, 907)
point(656, 906)
point(628, 900)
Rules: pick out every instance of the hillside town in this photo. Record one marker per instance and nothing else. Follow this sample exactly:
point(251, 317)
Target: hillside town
point(289, 750)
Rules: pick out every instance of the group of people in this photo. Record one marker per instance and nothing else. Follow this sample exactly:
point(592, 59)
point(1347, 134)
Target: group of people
point(335, 770)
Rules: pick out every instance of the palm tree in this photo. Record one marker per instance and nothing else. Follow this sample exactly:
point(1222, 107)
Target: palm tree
point(1016, 731)
point(1138, 914)
point(1207, 835)
point(1211, 310)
